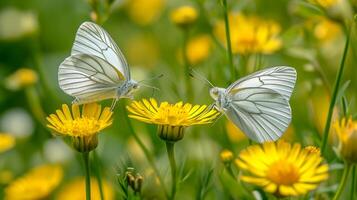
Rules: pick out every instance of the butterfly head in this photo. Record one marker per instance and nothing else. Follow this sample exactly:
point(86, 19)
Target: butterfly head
point(128, 89)
point(215, 92)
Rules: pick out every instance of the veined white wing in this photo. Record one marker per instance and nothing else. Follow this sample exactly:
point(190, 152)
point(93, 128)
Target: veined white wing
point(261, 113)
point(280, 79)
point(93, 40)
point(88, 78)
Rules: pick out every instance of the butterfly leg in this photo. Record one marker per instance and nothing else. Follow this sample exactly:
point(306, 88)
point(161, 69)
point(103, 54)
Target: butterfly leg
point(113, 104)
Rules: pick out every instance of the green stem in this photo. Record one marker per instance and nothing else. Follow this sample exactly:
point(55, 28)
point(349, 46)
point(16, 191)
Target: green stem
point(98, 175)
point(146, 152)
point(187, 66)
point(86, 166)
point(171, 155)
point(353, 184)
point(341, 187)
point(228, 40)
point(334, 96)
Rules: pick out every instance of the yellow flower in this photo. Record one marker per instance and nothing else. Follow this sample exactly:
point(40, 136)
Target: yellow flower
point(38, 183)
point(347, 133)
point(21, 78)
point(327, 30)
point(313, 149)
point(250, 34)
point(234, 133)
point(226, 156)
point(281, 168)
point(198, 49)
point(82, 127)
point(6, 142)
point(145, 12)
point(325, 3)
point(74, 190)
point(184, 16)
point(171, 118)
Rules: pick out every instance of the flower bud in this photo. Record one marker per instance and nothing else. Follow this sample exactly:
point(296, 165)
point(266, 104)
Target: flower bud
point(170, 133)
point(347, 133)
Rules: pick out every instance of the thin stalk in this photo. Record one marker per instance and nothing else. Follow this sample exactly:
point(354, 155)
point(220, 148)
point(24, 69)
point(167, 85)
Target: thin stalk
point(341, 187)
point(228, 40)
point(334, 96)
point(98, 174)
point(187, 66)
point(171, 155)
point(146, 152)
point(86, 166)
point(353, 184)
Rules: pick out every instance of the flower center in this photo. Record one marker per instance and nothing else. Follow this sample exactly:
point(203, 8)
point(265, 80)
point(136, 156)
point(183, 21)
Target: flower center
point(172, 115)
point(81, 126)
point(283, 172)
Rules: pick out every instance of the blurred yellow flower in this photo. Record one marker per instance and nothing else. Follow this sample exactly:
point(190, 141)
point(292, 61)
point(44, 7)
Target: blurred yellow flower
point(226, 156)
point(250, 34)
point(75, 190)
point(82, 127)
point(38, 183)
point(6, 142)
point(171, 118)
point(145, 12)
point(327, 30)
point(198, 49)
point(21, 78)
point(325, 3)
point(346, 131)
point(234, 133)
point(281, 168)
point(184, 16)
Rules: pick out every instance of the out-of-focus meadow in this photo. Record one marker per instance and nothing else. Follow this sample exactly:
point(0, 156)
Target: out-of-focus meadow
point(162, 37)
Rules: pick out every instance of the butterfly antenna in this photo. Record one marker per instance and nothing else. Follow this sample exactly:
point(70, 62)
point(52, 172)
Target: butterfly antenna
point(149, 86)
point(195, 74)
point(153, 78)
point(113, 104)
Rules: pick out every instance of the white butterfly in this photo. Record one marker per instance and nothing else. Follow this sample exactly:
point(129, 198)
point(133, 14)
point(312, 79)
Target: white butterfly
point(96, 69)
point(259, 103)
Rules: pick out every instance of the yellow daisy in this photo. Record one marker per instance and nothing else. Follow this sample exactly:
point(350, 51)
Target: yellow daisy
point(281, 168)
point(36, 184)
point(21, 78)
point(184, 16)
point(82, 127)
point(250, 34)
point(171, 118)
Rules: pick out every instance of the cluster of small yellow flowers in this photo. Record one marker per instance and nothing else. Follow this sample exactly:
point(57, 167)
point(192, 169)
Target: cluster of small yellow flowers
point(75, 190)
point(6, 142)
point(198, 49)
point(36, 184)
point(184, 16)
point(250, 34)
point(21, 78)
point(82, 127)
point(346, 131)
point(145, 12)
point(171, 118)
point(281, 168)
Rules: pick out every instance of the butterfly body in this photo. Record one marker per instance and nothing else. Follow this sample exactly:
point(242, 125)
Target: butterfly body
point(96, 69)
point(259, 103)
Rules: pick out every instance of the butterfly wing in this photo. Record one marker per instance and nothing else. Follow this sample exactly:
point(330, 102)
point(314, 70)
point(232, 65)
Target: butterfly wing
point(93, 40)
point(89, 78)
point(280, 79)
point(261, 113)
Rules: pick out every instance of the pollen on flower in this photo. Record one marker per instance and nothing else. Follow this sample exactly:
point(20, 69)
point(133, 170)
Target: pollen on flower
point(90, 122)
